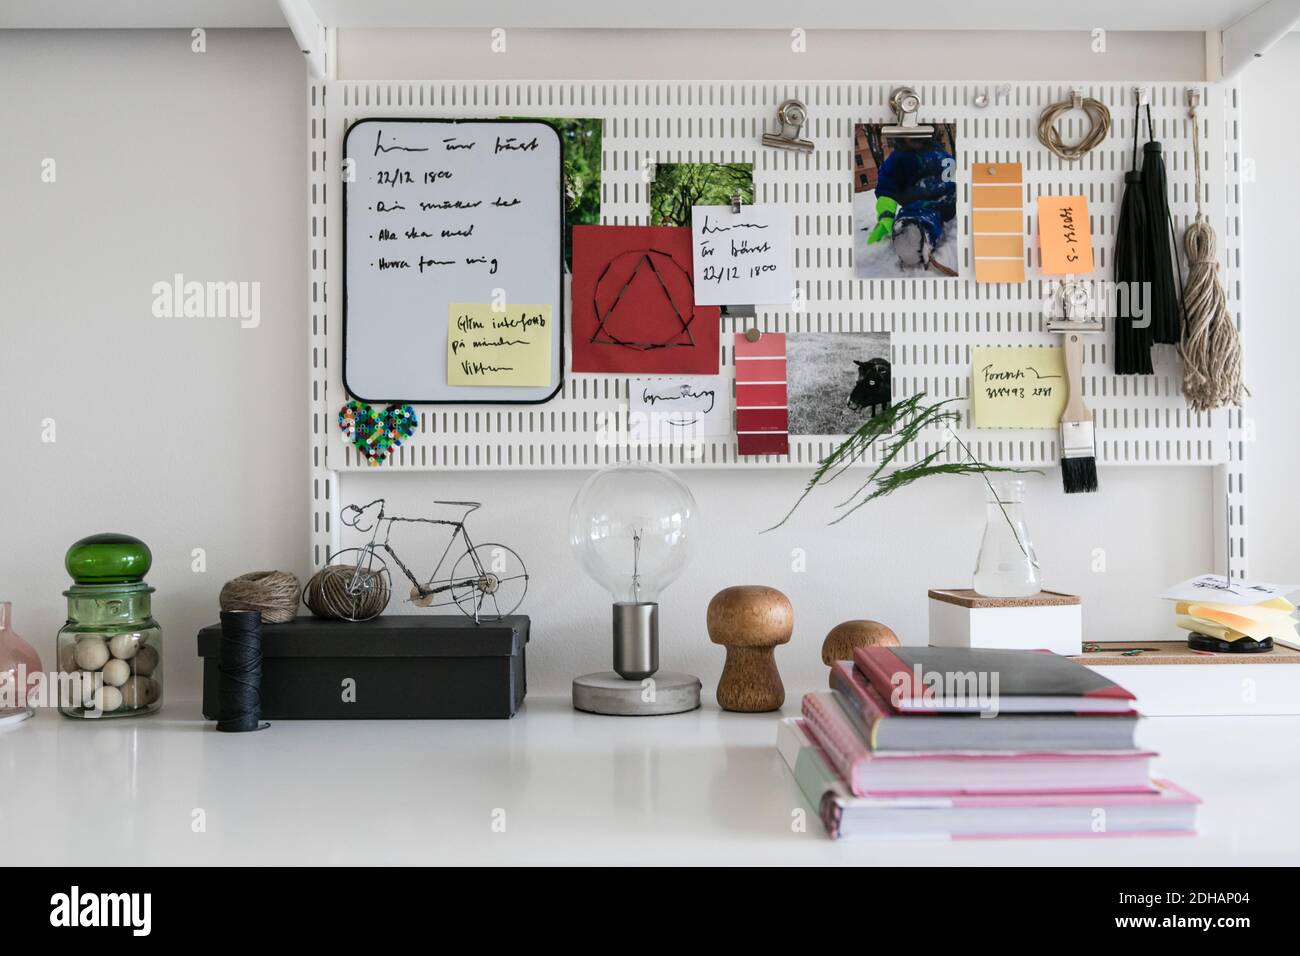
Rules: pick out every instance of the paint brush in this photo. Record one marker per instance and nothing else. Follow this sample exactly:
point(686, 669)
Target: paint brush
point(1078, 437)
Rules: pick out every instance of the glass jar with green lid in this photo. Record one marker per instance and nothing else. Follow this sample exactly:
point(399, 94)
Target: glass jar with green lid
point(110, 650)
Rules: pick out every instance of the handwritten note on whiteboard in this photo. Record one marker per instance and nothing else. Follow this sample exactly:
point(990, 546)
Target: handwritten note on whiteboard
point(510, 345)
point(671, 410)
point(1018, 387)
point(743, 257)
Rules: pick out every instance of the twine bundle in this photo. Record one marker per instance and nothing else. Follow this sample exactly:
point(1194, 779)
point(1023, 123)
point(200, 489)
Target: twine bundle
point(273, 593)
point(1210, 348)
point(1099, 128)
point(327, 594)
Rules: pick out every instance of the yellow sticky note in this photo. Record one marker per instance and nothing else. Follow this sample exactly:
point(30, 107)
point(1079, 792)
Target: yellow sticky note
point(1064, 236)
point(510, 345)
point(1018, 387)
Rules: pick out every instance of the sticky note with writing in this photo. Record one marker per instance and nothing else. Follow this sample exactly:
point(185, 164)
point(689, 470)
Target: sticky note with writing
point(1064, 238)
point(1018, 387)
point(745, 256)
point(498, 345)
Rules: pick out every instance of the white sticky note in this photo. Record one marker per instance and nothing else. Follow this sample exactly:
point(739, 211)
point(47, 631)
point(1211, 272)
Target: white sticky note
point(743, 257)
point(1217, 589)
point(669, 411)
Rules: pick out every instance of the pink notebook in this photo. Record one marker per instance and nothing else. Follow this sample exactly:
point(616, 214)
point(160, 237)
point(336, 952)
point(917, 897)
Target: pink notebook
point(955, 773)
point(1168, 810)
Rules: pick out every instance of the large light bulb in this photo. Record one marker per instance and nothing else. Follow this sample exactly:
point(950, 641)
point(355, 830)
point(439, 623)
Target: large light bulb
point(630, 526)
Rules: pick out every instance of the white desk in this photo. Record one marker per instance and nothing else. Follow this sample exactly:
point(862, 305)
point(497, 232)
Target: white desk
point(706, 787)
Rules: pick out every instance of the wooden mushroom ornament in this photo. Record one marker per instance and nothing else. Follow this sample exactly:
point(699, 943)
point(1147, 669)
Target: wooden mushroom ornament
point(844, 638)
point(750, 621)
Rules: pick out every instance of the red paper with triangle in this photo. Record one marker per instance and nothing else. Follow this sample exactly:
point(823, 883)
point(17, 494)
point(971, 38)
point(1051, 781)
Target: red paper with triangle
point(634, 303)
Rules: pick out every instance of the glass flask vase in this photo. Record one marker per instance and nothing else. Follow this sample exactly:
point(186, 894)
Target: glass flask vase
point(110, 650)
point(1007, 566)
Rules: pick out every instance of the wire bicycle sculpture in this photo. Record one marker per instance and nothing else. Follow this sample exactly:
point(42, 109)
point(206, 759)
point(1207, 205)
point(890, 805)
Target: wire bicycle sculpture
point(485, 581)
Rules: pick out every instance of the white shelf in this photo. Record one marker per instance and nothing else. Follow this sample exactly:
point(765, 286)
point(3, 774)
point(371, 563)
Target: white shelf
point(703, 788)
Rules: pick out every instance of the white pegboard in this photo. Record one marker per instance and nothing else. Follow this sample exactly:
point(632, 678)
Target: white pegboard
point(934, 323)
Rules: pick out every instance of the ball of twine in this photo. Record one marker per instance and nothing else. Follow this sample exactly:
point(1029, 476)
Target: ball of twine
point(274, 593)
point(327, 594)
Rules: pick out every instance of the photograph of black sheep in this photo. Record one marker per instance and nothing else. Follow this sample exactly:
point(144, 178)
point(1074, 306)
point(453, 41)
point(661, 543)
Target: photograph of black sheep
point(836, 380)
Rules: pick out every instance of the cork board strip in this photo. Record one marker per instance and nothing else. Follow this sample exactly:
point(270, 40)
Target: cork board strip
point(965, 597)
point(1177, 652)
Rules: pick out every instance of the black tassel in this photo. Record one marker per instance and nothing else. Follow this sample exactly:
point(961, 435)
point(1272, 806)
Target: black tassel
point(1166, 310)
point(1133, 334)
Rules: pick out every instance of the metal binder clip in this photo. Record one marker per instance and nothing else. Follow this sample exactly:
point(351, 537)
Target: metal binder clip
point(792, 115)
point(1071, 308)
point(905, 102)
point(736, 202)
point(1076, 98)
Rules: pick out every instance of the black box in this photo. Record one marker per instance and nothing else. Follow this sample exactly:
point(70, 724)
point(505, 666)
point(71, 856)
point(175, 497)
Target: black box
point(403, 667)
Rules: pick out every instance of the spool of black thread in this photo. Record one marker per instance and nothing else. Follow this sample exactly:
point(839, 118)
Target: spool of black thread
point(239, 666)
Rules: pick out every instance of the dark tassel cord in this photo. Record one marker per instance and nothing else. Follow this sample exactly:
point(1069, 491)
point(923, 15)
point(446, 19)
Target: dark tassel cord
point(1133, 335)
point(239, 664)
point(1165, 305)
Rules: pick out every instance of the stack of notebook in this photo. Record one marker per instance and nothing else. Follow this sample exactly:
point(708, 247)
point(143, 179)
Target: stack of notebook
point(963, 743)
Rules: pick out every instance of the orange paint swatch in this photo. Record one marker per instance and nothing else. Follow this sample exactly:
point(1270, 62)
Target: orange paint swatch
point(997, 221)
point(1064, 238)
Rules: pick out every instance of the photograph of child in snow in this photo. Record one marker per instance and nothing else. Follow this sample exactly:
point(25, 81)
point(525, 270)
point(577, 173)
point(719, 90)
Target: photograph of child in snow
point(904, 203)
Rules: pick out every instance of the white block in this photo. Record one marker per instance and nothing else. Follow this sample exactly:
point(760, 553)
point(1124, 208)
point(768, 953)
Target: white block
point(1049, 621)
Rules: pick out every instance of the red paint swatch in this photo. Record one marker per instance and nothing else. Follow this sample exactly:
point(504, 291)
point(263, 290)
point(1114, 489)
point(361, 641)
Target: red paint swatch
point(762, 413)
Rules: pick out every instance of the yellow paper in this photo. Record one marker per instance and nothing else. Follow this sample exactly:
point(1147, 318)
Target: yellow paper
point(1267, 619)
point(510, 345)
point(1064, 237)
point(1018, 387)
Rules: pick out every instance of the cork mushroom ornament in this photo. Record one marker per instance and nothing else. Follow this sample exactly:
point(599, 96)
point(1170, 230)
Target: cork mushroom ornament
point(750, 621)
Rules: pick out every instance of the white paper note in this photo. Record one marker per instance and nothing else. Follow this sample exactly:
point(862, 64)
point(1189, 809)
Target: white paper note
point(743, 257)
point(669, 411)
point(1217, 589)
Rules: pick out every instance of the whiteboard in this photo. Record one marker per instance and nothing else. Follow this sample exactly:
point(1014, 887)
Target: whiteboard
point(442, 211)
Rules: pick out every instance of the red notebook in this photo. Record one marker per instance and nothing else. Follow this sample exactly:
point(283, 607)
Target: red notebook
point(966, 680)
point(884, 728)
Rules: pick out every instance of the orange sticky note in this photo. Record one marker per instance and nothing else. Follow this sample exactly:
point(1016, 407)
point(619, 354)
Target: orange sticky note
point(997, 230)
point(1064, 239)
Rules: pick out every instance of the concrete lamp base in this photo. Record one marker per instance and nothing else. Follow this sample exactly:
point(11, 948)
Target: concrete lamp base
point(664, 693)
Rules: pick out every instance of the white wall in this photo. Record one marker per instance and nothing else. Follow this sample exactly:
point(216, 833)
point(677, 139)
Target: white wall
point(189, 433)
point(173, 161)
point(1271, 298)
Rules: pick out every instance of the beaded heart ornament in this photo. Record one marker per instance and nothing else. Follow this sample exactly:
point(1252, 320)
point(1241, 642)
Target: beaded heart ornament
point(376, 432)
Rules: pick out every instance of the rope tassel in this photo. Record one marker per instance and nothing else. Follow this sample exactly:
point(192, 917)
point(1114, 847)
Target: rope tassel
point(1211, 348)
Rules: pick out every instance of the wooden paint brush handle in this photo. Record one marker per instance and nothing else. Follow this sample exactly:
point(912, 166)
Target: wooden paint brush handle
point(1075, 408)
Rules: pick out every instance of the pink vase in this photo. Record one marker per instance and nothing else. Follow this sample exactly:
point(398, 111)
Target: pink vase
point(18, 663)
